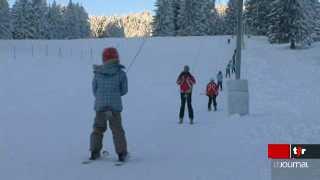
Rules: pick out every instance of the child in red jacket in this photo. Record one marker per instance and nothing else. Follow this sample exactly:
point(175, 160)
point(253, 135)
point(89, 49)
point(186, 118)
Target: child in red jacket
point(212, 93)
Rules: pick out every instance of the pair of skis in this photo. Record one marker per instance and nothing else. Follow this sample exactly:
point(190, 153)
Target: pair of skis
point(104, 155)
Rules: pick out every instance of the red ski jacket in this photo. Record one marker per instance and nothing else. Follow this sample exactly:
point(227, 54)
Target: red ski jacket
point(212, 89)
point(186, 82)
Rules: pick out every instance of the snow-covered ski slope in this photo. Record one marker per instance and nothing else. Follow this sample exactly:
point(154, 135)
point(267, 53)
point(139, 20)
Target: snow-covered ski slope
point(46, 109)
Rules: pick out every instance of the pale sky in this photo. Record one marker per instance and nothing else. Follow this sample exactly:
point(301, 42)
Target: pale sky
point(114, 7)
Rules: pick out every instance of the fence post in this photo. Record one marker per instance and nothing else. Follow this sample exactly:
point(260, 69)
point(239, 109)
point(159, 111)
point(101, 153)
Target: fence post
point(14, 52)
point(32, 50)
point(60, 52)
point(91, 53)
point(47, 50)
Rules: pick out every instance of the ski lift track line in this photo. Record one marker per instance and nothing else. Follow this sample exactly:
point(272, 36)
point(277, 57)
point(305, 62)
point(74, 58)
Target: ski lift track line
point(196, 58)
point(137, 54)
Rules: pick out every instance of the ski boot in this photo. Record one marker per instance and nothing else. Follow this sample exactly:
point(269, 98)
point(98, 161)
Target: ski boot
point(95, 155)
point(122, 157)
point(180, 120)
point(191, 121)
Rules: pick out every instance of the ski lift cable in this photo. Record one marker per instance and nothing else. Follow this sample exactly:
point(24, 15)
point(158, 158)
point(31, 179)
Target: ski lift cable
point(196, 57)
point(137, 54)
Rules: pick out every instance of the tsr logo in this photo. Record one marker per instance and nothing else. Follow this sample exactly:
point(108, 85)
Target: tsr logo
point(298, 151)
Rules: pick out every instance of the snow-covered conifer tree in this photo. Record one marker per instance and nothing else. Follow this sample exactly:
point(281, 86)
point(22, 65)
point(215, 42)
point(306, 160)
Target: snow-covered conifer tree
point(76, 21)
point(230, 19)
point(256, 16)
point(38, 19)
point(5, 24)
point(195, 17)
point(21, 20)
point(164, 20)
point(55, 22)
point(84, 24)
point(290, 22)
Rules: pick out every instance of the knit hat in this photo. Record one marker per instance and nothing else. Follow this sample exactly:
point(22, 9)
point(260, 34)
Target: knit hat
point(186, 68)
point(110, 54)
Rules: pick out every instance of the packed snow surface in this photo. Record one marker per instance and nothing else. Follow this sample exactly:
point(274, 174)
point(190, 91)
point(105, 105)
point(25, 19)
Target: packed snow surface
point(47, 112)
